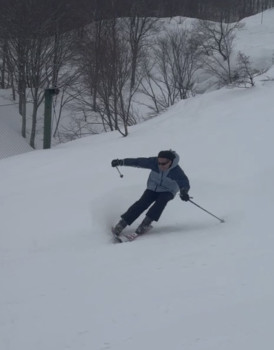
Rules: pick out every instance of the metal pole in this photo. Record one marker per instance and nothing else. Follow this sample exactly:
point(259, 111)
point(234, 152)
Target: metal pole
point(221, 220)
point(121, 175)
point(47, 117)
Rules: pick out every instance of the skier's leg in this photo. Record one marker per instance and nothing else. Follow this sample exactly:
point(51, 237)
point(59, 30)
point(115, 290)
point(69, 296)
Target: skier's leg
point(139, 207)
point(157, 208)
point(154, 212)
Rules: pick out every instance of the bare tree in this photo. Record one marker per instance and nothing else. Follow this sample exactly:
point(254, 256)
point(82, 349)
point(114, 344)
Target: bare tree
point(90, 50)
point(39, 70)
point(36, 51)
point(245, 73)
point(4, 76)
point(17, 52)
point(47, 57)
point(216, 40)
point(170, 77)
point(185, 56)
point(114, 92)
point(139, 30)
point(15, 30)
point(67, 85)
point(105, 63)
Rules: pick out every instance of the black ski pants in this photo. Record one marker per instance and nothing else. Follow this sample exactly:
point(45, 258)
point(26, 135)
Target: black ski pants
point(160, 200)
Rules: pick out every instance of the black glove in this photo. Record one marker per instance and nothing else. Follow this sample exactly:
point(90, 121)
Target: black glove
point(184, 196)
point(117, 162)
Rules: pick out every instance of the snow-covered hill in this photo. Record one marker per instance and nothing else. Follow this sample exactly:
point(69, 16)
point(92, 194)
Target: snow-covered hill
point(254, 39)
point(191, 283)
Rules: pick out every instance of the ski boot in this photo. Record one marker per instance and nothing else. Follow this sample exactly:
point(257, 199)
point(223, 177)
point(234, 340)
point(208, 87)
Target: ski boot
point(116, 230)
point(144, 226)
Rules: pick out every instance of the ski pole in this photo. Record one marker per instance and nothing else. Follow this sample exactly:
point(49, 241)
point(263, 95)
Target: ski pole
point(121, 175)
point(221, 220)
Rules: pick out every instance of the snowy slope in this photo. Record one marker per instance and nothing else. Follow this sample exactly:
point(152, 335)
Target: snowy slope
point(256, 39)
point(192, 283)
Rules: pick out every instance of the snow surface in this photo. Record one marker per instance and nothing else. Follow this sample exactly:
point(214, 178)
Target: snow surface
point(191, 283)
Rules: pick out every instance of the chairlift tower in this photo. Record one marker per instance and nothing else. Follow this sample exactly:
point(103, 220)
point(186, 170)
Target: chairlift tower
point(49, 93)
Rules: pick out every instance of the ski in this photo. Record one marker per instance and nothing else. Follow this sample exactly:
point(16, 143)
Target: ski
point(127, 237)
point(120, 239)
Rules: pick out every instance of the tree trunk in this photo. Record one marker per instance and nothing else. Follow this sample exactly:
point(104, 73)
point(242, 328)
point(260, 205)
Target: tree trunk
point(34, 124)
point(23, 112)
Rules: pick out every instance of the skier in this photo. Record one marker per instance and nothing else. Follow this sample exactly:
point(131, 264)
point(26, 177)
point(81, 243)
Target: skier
point(165, 180)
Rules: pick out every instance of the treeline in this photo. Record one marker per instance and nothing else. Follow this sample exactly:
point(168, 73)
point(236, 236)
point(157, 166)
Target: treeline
point(75, 13)
point(101, 54)
point(230, 10)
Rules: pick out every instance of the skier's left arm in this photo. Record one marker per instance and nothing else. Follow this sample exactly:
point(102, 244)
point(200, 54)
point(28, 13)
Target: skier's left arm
point(182, 180)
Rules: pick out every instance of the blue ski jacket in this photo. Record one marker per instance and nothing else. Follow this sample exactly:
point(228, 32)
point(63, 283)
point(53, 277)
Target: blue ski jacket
point(171, 180)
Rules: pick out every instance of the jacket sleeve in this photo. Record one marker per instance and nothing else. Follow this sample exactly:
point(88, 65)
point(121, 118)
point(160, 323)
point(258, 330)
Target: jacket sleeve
point(180, 177)
point(146, 163)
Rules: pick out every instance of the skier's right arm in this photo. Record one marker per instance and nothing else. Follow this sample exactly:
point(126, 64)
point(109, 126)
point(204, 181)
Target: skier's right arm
point(117, 162)
point(147, 163)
